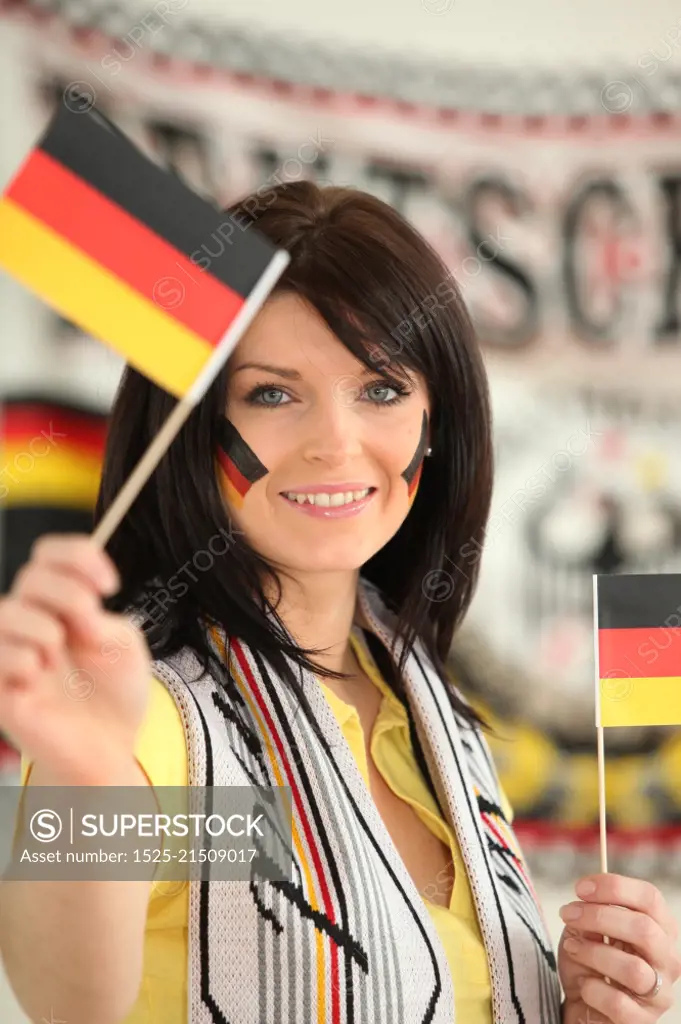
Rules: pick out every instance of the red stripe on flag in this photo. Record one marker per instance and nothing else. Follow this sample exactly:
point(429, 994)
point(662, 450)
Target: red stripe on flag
point(123, 245)
point(643, 653)
point(415, 482)
point(22, 424)
point(236, 478)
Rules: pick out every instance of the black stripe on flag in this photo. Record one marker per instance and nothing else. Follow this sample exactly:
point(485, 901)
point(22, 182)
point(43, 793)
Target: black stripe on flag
point(100, 154)
point(633, 601)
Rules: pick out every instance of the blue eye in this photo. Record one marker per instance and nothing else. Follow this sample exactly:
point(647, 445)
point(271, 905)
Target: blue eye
point(382, 388)
point(265, 393)
point(399, 393)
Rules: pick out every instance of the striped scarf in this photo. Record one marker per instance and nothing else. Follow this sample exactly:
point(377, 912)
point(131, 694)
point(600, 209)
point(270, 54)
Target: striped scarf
point(349, 940)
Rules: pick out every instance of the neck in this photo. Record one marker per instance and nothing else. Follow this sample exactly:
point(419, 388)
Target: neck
point(319, 609)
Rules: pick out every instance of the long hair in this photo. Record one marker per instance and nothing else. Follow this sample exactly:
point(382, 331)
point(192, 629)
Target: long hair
point(390, 300)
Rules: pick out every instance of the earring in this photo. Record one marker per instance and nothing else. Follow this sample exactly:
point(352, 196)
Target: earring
point(429, 451)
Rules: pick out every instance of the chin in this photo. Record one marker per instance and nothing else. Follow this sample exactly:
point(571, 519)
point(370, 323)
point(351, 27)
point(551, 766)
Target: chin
point(325, 557)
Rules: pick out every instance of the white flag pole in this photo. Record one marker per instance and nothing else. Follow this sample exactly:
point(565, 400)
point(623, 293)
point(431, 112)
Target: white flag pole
point(600, 738)
point(601, 748)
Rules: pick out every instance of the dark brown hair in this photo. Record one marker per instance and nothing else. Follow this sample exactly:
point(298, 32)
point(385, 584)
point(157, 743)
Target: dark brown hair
point(391, 301)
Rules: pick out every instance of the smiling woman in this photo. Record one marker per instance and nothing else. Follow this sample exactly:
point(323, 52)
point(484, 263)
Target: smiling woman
point(346, 448)
point(338, 383)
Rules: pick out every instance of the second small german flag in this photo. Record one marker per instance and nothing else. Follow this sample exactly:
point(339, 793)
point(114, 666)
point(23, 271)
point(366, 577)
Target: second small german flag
point(118, 245)
point(638, 649)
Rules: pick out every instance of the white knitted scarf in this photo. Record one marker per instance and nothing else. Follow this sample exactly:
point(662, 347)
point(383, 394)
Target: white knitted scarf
point(348, 940)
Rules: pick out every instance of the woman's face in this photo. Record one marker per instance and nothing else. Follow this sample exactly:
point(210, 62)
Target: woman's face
point(312, 420)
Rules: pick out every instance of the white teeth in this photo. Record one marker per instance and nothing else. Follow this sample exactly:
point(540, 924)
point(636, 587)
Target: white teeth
point(325, 500)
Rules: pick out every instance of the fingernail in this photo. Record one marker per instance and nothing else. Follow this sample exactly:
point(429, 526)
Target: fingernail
point(570, 912)
point(571, 945)
point(585, 888)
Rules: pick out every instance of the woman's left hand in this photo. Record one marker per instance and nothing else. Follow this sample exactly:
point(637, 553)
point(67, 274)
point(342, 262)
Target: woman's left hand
point(643, 934)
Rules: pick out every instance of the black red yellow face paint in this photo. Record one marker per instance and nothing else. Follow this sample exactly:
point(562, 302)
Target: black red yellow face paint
point(412, 474)
point(240, 466)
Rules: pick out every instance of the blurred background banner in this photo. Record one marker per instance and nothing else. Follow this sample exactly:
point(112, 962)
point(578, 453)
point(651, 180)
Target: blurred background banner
point(543, 162)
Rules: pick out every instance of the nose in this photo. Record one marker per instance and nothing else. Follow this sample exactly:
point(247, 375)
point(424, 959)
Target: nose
point(333, 429)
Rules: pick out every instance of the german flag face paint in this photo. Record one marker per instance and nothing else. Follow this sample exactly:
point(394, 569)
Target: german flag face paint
point(412, 474)
point(240, 466)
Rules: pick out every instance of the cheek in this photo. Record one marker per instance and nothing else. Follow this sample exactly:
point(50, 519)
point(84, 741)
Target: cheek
point(240, 467)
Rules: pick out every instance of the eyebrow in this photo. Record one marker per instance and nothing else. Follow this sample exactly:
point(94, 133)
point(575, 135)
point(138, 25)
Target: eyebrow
point(282, 371)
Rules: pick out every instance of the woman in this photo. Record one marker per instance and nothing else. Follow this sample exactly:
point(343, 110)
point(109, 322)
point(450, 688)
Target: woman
point(333, 479)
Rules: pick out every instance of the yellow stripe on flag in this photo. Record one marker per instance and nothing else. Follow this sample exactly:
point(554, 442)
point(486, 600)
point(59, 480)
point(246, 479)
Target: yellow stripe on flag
point(83, 291)
point(641, 701)
point(60, 477)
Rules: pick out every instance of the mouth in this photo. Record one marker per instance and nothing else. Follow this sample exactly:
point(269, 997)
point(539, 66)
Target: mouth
point(329, 504)
point(327, 499)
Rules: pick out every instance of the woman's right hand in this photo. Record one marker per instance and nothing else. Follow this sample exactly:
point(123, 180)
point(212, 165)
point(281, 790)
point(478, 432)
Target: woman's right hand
point(74, 679)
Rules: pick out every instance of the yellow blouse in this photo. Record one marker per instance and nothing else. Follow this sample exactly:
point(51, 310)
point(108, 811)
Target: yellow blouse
point(162, 752)
point(392, 753)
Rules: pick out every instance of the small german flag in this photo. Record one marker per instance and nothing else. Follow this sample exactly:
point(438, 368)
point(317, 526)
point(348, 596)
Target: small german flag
point(638, 649)
point(125, 249)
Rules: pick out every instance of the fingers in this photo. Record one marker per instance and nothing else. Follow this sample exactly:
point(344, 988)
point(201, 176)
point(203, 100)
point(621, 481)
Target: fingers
point(636, 929)
point(74, 602)
point(633, 893)
point(79, 555)
point(22, 624)
point(628, 970)
point(20, 663)
point(618, 1006)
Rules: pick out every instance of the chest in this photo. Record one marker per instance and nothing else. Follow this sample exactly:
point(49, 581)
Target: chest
point(426, 857)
